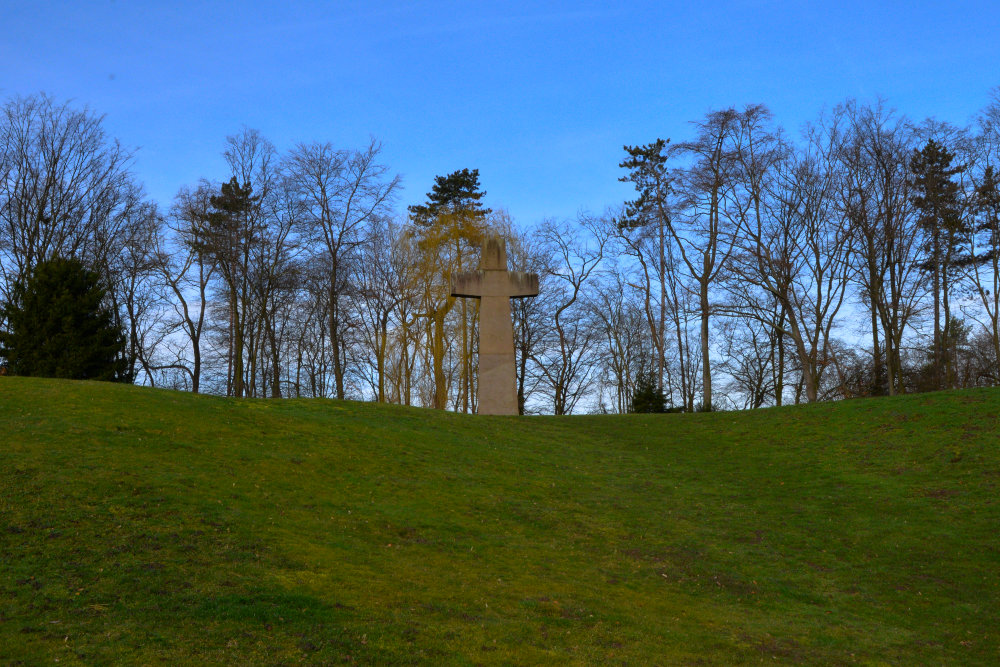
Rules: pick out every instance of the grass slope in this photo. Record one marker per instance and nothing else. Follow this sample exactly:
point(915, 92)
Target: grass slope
point(145, 526)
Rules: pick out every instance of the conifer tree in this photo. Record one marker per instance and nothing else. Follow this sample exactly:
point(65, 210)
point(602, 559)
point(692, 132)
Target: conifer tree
point(228, 234)
point(648, 171)
point(458, 192)
point(59, 325)
point(648, 397)
point(939, 216)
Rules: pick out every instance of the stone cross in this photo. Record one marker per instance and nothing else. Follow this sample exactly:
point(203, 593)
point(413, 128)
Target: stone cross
point(495, 286)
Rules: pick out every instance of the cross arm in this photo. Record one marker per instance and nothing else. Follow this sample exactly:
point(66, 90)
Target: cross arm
point(477, 284)
point(468, 284)
point(522, 284)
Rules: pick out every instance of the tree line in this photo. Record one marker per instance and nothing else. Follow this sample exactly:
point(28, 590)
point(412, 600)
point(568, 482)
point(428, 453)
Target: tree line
point(751, 268)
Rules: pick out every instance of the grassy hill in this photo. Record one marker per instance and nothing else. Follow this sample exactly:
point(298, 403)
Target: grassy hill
point(152, 527)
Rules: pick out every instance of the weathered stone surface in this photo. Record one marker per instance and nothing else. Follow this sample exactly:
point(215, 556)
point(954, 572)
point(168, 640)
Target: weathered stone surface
point(511, 284)
point(495, 286)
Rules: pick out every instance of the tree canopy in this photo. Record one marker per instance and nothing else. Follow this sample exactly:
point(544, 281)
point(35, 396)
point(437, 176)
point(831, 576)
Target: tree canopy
point(458, 192)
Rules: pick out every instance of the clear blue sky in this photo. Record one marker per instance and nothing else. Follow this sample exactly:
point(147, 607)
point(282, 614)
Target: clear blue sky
point(540, 97)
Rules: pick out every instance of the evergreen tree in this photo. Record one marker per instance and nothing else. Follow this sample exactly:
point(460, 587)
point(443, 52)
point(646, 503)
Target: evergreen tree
point(648, 397)
point(458, 192)
point(648, 172)
point(987, 283)
point(59, 325)
point(228, 233)
point(936, 198)
point(987, 205)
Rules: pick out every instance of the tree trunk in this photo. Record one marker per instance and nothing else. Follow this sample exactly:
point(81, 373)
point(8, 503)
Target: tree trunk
point(335, 340)
point(779, 383)
point(437, 352)
point(706, 369)
point(236, 346)
point(466, 374)
point(937, 312)
point(995, 314)
point(661, 343)
point(275, 365)
point(947, 335)
point(876, 354)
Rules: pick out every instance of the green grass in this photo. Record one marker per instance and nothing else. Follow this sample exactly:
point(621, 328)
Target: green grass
point(151, 527)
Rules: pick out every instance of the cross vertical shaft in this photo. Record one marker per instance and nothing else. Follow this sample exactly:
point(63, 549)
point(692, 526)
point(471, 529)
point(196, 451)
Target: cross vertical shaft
point(495, 286)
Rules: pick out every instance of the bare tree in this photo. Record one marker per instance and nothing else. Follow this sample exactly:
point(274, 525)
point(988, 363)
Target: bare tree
point(342, 192)
point(187, 271)
point(792, 245)
point(984, 241)
point(750, 359)
point(383, 286)
point(575, 252)
point(65, 190)
point(875, 197)
point(313, 373)
point(277, 271)
point(136, 289)
point(700, 227)
point(626, 351)
point(525, 254)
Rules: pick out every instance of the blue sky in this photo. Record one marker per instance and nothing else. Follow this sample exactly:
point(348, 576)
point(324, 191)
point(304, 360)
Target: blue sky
point(540, 97)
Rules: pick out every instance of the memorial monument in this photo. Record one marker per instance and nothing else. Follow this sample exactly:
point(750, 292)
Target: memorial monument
point(495, 286)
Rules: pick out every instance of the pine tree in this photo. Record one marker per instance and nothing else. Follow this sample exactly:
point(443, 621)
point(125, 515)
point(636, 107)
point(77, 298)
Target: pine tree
point(939, 216)
point(228, 235)
point(648, 172)
point(458, 192)
point(59, 325)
